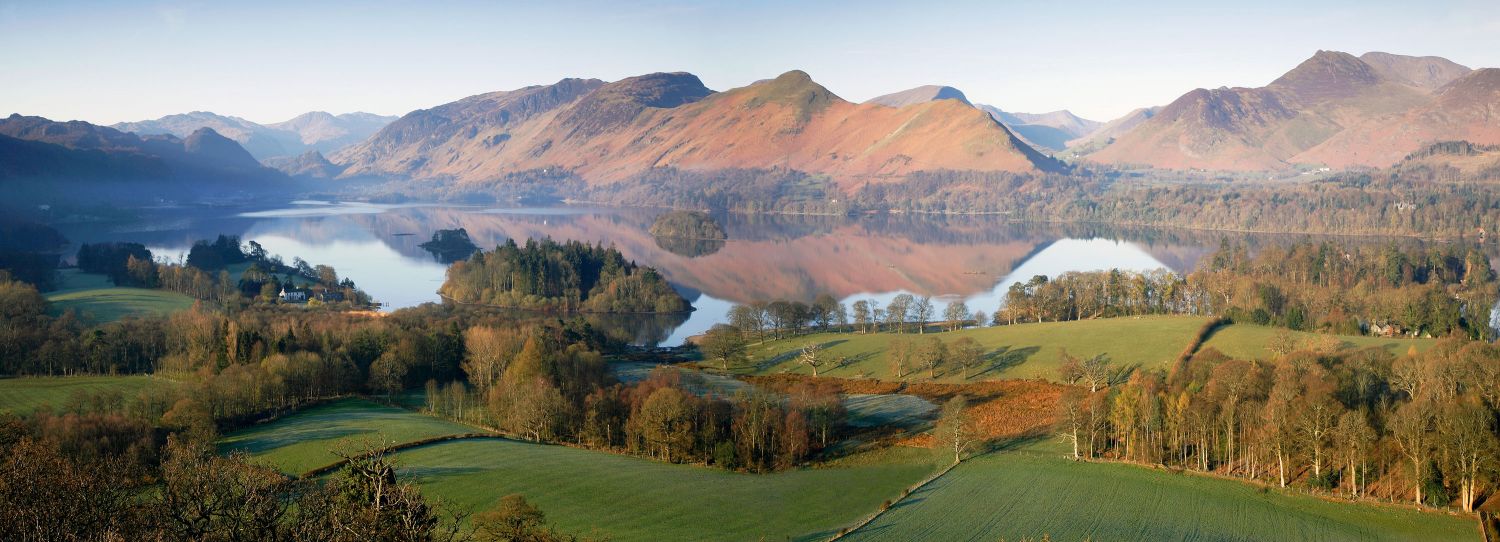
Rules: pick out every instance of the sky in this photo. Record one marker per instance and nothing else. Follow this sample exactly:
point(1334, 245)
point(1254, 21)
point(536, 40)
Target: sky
point(268, 61)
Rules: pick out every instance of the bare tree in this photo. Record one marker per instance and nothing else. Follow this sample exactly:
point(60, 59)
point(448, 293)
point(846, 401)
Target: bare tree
point(1411, 427)
point(956, 314)
point(1468, 444)
point(811, 356)
point(933, 353)
point(922, 312)
point(956, 429)
point(967, 353)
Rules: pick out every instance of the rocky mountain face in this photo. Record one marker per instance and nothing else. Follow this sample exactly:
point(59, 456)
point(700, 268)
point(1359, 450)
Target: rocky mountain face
point(1333, 110)
point(608, 132)
point(317, 130)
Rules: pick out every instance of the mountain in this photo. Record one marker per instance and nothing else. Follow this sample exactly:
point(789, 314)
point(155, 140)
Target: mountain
point(324, 132)
point(309, 165)
point(922, 94)
point(608, 132)
point(1467, 108)
point(1425, 72)
point(44, 158)
point(1333, 109)
point(1106, 133)
point(1051, 131)
point(310, 131)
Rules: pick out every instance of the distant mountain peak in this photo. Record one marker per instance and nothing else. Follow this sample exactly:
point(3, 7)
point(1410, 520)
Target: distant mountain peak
point(922, 94)
point(1425, 72)
point(1327, 75)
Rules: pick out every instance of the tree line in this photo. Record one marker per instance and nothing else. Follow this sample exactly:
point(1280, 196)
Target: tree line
point(1359, 422)
point(1438, 290)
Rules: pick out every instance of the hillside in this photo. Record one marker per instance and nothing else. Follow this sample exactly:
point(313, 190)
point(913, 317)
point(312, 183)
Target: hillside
point(1051, 131)
point(605, 133)
point(317, 131)
point(1333, 109)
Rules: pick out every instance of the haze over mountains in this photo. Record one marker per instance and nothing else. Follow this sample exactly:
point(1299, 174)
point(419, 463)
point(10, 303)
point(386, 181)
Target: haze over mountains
point(314, 131)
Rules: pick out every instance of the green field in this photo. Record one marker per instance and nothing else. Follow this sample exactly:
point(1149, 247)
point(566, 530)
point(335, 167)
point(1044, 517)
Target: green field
point(629, 498)
point(306, 440)
point(23, 395)
point(93, 295)
point(1249, 341)
point(1034, 491)
point(1018, 351)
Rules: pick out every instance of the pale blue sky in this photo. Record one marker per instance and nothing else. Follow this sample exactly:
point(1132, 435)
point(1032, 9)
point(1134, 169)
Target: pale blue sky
point(268, 61)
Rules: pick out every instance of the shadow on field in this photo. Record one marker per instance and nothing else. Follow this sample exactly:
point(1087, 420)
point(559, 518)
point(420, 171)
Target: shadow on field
point(792, 354)
point(1005, 358)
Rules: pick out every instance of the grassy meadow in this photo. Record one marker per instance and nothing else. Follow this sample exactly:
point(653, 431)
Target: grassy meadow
point(1018, 351)
point(629, 498)
point(1032, 491)
point(306, 440)
point(94, 296)
point(1249, 341)
point(23, 395)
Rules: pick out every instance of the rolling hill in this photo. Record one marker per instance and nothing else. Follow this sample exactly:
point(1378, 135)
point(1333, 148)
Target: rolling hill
point(609, 132)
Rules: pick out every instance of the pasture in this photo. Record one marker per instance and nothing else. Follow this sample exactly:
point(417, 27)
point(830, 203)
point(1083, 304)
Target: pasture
point(23, 395)
point(1034, 491)
point(307, 439)
point(1015, 351)
point(1245, 341)
point(629, 498)
point(94, 297)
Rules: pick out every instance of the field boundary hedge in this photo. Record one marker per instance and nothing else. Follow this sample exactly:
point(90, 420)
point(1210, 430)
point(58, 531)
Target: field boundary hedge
point(325, 469)
point(1199, 338)
point(904, 494)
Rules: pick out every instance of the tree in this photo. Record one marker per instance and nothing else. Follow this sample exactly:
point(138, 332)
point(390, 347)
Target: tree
point(1355, 437)
point(898, 354)
point(967, 354)
point(922, 312)
point(1468, 444)
point(896, 311)
point(980, 319)
point(666, 421)
point(487, 351)
point(956, 314)
point(956, 429)
point(204, 496)
point(725, 344)
point(1073, 418)
point(810, 356)
point(512, 519)
point(861, 315)
point(932, 354)
point(1410, 426)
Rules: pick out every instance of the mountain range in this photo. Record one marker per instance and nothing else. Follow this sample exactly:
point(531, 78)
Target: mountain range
point(315, 131)
point(39, 157)
point(1334, 110)
point(608, 132)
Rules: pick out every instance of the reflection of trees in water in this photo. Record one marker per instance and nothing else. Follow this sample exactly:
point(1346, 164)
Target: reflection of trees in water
point(641, 329)
point(691, 248)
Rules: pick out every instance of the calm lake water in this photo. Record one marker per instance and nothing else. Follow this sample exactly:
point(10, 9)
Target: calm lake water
point(974, 258)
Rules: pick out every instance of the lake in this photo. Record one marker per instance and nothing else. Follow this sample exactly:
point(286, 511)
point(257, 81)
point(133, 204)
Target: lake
point(767, 257)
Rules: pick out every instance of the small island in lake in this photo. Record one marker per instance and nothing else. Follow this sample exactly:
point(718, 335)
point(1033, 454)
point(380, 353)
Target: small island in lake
point(571, 276)
point(688, 233)
point(688, 225)
point(449, 246)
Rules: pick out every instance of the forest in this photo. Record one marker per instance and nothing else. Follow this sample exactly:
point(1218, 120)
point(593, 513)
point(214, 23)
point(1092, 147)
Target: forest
point(567, 277)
